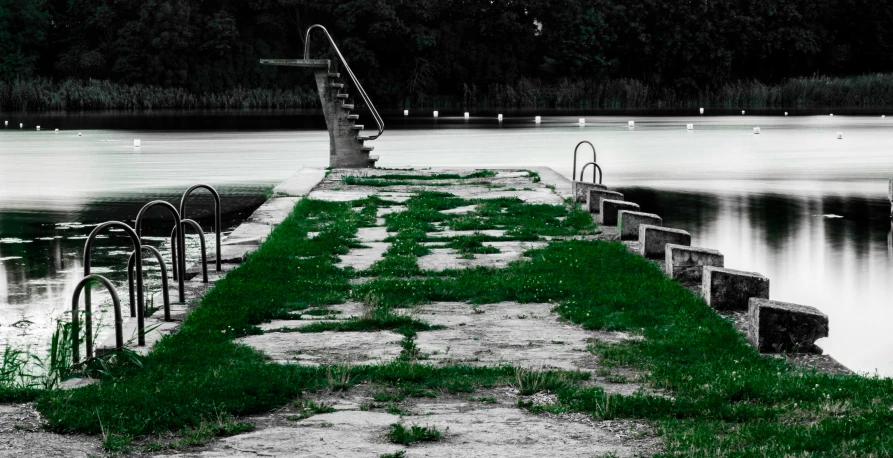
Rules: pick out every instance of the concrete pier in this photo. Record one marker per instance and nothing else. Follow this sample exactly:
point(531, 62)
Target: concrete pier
point(610, 208)
point(628, 223)
point(581, 189)
point(727, 289)
point(594, 199)
point(686, 263)
point(654, 239)
point(776, 327)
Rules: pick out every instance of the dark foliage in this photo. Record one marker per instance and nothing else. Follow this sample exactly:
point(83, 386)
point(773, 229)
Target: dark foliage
point(410, 50)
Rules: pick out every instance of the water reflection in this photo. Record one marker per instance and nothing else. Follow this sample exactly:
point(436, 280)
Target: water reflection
point(41, 259)
point(834, 252)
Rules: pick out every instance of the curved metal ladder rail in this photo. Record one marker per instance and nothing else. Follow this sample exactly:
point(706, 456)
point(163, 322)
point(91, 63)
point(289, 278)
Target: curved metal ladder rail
point(119, 321)
point(217, 225)
point(353, 78)
point(594, 159)
point(597, 169)
point(138, 260)
point(181, 242)
point(164, 285)
point(201, 238)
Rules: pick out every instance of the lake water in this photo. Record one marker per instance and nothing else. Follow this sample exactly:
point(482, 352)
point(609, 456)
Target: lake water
point(795, 203)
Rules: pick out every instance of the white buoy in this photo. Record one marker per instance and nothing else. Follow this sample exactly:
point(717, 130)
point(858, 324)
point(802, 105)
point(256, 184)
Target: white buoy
point(136, 143)
point(499, 116)
point(785, 113)
point(467, 115)
point(21, 125)
point(832, 114)
point(405, 112)
point(690, 126)
point(582, 121)
point(840, 135)
point(537, 119)
point(702, 111)
point(57, 131)
point(436, 114)
point(756, 130)
point(883, 116)
point(742, 111)
point(79, 134)
point(632, 124)
point(38, 127)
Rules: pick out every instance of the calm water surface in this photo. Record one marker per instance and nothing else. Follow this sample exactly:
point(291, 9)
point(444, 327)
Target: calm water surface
point(794, 203)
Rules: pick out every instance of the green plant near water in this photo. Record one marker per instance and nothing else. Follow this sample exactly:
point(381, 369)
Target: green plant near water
point(715, 395)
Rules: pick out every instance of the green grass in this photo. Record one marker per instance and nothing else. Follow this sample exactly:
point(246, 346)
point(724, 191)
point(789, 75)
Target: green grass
point(415, 433)
point(715, 395)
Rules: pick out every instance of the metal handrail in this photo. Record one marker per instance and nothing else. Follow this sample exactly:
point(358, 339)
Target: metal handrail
point(181, 241)
point(201, 238)
point(597, 170)
point(594, 158)
point(353, 78)
point(217, 226)
point(164, 285)
point(116, 304)
point(135, 240)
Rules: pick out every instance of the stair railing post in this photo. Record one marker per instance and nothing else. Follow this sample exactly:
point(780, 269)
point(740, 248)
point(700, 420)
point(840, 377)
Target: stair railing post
point(217, 219)
point(116, 304)
point(88, 247)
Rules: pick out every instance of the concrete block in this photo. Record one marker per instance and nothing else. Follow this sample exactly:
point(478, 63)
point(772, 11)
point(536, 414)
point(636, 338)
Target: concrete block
point(654, 239)
point(594, 199)
point(628, 223)
point(727, 289)
point(581, 189)
point(686, 263)
point(610, 209)
point(777, 327)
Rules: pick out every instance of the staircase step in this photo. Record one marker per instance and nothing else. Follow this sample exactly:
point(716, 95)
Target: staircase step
point(372, 160)
point(357, 127)
point(347, 106)
point(334, 75)
point(337, 85)
point(367, 148)
point(341, 96)
point(354, 117)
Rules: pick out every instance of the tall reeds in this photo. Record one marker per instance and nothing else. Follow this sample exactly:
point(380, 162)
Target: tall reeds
point(40, 94)
point(866, 91)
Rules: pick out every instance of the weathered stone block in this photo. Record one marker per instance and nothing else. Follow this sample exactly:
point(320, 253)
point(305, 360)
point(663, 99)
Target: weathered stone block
point(610, 208)
point(628, 223)
point(581, 189)
point(777, 327)
point(686, 263)
point(727, 289)
point(594, 199)
point(654, 239)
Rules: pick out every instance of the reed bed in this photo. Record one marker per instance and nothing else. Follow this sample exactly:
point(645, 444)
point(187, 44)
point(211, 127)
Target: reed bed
point(865, 91)
point(39, 94)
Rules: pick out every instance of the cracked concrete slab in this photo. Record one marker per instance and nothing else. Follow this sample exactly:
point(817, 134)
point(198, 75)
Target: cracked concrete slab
point(372, 234)
point(363, 258)
point(451, 233)
point(523, 335)
point(447, 258)
point(274, 211)
point(316, 348)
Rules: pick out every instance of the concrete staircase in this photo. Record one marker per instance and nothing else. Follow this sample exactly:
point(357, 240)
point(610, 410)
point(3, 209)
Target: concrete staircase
point(347, 148)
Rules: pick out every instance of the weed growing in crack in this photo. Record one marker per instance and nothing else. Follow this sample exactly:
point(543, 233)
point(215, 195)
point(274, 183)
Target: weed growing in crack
point(415, 433)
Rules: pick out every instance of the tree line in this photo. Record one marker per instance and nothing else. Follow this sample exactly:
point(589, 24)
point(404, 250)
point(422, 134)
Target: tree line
point(411, 49)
